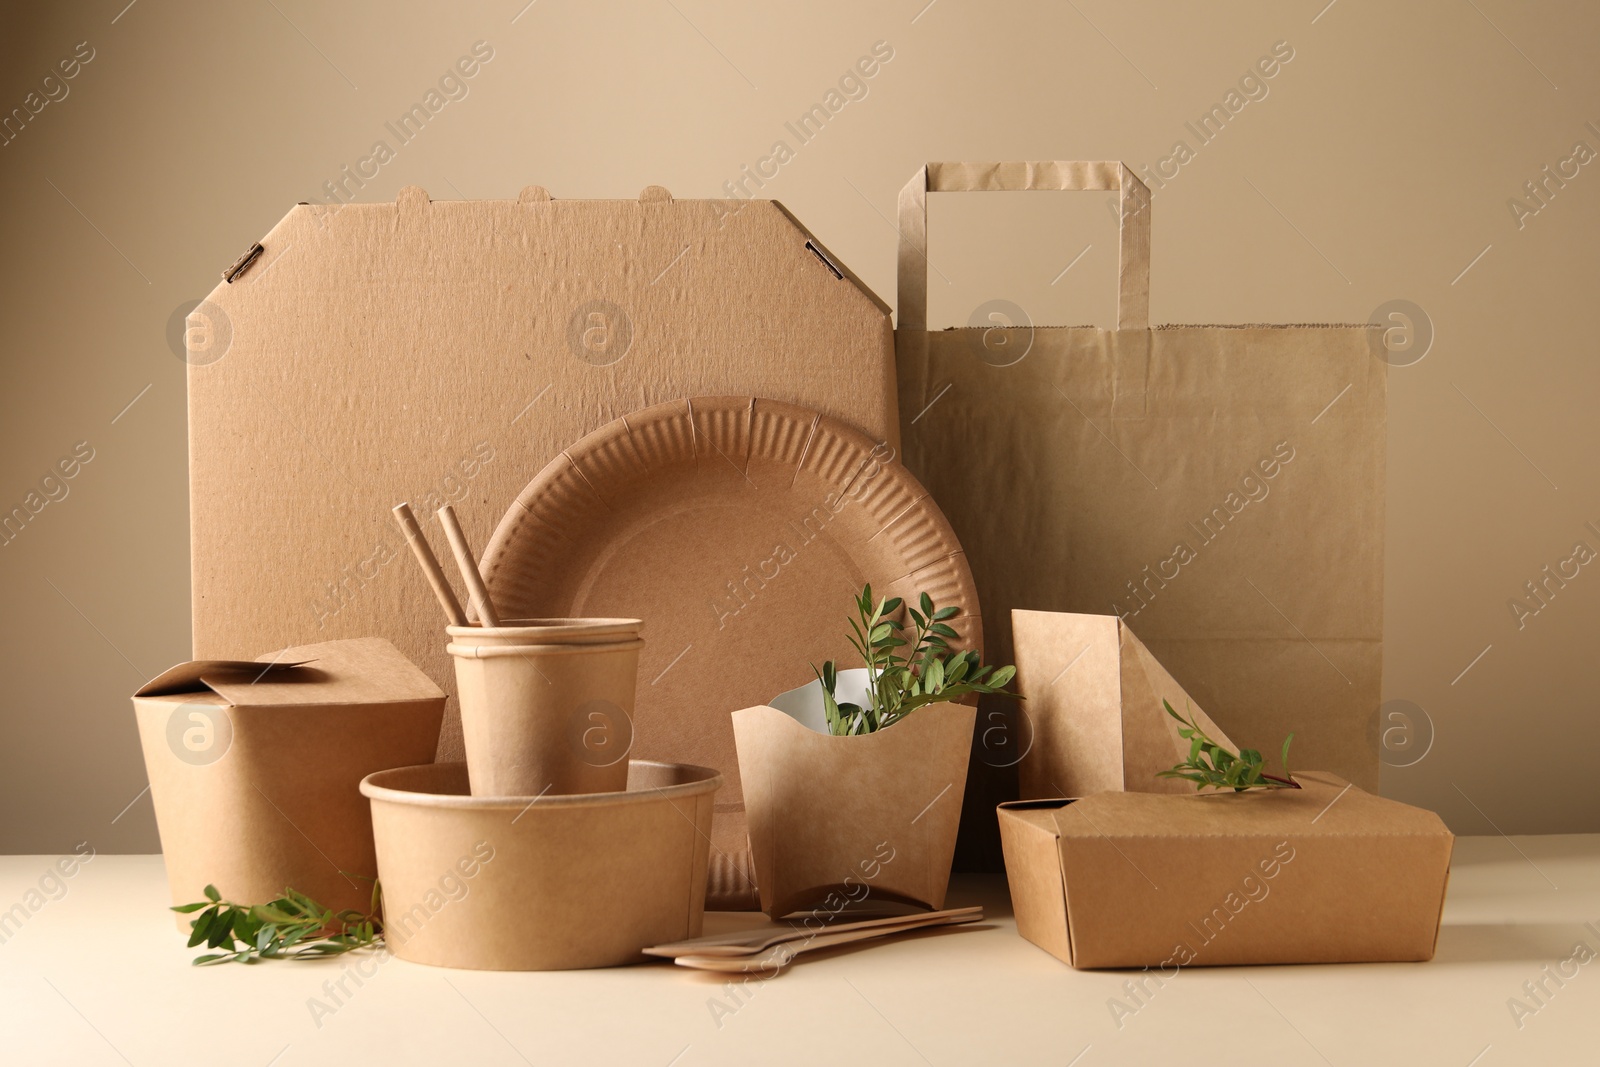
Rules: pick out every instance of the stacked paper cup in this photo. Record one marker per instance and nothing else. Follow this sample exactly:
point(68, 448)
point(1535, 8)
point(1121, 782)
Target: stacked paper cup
point(547, 704)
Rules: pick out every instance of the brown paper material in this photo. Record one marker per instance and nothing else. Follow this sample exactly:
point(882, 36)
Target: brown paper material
point(1220, 487)
point(844, 818)
point(444, 352)
point(1092, 701)
point(741, 530)
point(547, 704)
point(1323, 874)
point(540, 883)
point(255, 773)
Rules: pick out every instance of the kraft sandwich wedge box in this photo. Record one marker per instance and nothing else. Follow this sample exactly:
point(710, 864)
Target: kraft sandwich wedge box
point(256, 767)
point(1326, 873)
point(1093, 696)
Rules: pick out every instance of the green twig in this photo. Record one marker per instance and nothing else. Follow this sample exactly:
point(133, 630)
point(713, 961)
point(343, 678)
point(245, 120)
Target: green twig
point(1209, 764)
point(928, 672)
point(292, 927)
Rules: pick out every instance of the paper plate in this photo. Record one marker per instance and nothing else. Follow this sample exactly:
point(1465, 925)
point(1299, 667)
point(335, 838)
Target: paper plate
point(739, 529)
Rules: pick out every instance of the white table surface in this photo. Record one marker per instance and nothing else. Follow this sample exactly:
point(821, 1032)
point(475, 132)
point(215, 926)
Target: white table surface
point(101, 976)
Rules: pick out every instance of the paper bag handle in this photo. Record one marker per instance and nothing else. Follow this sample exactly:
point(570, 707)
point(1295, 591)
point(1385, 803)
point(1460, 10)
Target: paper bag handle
point(1133, 283)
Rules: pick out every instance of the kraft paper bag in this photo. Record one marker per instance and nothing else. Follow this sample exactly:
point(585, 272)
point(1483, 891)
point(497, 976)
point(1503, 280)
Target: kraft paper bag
point(1220, 488)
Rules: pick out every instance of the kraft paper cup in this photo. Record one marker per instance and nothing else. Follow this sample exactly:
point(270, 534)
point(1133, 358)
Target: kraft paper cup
point(540, 883)
point(547, 704)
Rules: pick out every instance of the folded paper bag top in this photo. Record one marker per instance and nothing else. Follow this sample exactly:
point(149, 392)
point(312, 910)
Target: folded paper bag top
point(255, 767)
point(1322, 874)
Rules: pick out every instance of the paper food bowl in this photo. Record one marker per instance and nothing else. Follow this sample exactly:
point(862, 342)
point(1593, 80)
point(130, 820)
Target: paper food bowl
point(540, 883)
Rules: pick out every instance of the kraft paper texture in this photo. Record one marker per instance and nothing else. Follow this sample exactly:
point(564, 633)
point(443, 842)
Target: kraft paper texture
point(1220, 488)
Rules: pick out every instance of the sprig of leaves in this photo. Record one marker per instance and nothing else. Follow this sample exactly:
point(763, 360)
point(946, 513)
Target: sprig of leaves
point(929, 673)
point(1209, 764)
point(292, 927)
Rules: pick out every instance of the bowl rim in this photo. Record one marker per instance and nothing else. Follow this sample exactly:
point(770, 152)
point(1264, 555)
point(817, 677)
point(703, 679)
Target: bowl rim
point(709, 781)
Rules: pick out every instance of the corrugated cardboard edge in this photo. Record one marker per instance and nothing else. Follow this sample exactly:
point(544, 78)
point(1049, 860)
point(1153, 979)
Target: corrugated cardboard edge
point(838, 267)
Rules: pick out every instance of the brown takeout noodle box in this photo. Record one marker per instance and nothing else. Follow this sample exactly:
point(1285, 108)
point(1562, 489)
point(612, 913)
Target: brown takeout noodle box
point(255, 767)
point(1322, 874)
point(540, 883)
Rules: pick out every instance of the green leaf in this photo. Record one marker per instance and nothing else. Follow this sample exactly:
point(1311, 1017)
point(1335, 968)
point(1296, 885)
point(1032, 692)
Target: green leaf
point(212, 894)
point(1209, 764)
point(222, 930)
point(245, 925)
point(200, 928)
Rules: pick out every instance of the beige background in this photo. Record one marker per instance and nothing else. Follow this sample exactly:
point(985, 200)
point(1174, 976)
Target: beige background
point(1378, 167)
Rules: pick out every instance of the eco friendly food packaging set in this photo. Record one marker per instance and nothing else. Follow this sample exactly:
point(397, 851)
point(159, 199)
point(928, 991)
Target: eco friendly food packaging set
point(674, 428)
